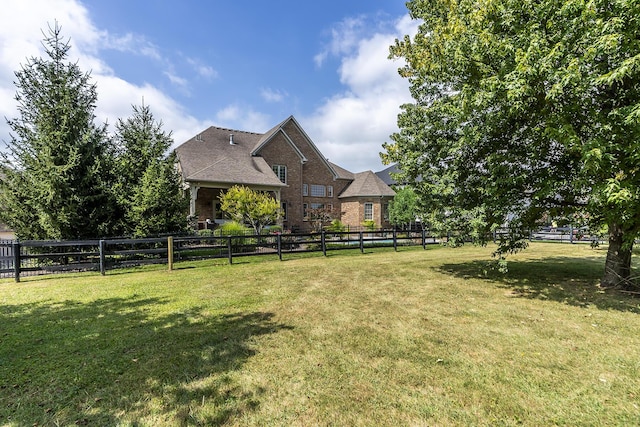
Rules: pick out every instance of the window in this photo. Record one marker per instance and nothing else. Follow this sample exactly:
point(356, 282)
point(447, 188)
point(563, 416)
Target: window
point(329, 190)
point(281, 172)
point(305, 189)
point(368, 211)
point(318, 190)
point(305, 211)
point(283, 206)
point(385, 211)
point(317, 205)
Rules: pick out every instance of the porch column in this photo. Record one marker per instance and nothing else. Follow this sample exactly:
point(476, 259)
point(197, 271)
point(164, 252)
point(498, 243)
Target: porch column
point(193, 192)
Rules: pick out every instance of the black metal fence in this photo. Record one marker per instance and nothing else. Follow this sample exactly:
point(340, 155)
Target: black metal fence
point(27, 258)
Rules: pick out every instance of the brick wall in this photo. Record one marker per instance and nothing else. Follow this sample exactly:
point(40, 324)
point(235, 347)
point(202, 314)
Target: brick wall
point(353, 211)
point(313, 172)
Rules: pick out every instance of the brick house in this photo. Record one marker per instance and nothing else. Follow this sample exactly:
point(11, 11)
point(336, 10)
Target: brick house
point(283, 162)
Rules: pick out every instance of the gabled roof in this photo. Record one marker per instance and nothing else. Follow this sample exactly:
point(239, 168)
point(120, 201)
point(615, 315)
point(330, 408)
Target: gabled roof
point(367, 184)
point(279, 128)
point(211, 157)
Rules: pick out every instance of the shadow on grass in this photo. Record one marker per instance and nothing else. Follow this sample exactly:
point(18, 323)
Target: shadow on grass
point(572, 281)
point(114, 361)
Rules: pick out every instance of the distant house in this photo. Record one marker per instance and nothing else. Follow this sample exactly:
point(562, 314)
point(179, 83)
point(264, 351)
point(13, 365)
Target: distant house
point(283, 162)
point(6, 233)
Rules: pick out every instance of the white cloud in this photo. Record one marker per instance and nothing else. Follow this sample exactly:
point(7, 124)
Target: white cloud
point(271, 95)
point(21, 39)
point(344, 37)
point(243, 118)
point(350, 127)
point(203, 70)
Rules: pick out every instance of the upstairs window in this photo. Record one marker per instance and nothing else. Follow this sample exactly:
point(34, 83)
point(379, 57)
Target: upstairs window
point(318, 190)
point(281, 172)
point(329, 190)
point(305, 189)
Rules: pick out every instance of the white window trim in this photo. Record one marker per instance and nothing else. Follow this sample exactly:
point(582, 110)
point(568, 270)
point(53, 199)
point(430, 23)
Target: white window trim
point(365, 211)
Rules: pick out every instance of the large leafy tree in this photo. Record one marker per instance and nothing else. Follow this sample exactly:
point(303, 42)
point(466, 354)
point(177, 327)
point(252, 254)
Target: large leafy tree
point(246, 206)
point(53, 183)
point(525, 109)
point(147, 184)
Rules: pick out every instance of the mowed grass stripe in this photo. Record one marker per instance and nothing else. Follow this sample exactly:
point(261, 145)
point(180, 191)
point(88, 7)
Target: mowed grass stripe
point(433, 337)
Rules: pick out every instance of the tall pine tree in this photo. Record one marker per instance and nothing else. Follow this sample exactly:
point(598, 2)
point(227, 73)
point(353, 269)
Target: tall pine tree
point(148, 184)
point(53, 182)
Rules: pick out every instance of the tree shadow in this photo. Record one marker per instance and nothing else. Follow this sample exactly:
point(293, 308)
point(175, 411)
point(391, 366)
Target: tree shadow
point(572, 281)
point(115, 360)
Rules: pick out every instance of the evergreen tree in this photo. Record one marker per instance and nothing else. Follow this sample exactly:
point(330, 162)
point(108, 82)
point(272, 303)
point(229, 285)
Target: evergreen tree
point(53, 182)
point(147, 183)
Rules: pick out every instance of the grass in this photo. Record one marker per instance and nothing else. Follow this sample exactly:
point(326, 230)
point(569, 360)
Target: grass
point(416, 337)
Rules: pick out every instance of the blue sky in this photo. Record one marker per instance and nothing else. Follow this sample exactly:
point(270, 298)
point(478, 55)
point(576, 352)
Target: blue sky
point(239, 64)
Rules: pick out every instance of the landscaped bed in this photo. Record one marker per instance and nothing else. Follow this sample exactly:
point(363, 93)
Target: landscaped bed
point(413, 337)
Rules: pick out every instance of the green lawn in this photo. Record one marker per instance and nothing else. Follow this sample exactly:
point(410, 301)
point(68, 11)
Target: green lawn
point(412, 337)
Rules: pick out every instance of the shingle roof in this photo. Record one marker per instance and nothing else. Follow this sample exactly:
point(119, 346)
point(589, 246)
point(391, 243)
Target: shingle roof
point(367, 184)
point(341, 172)
point(210, 157)
point(385, 175)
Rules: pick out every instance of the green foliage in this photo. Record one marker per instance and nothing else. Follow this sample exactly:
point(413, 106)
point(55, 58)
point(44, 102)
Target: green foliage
point(245, 205)
point(205, 233)
point(232, 228)
point(55, 171)
point(336, 226)
point(147, 183)
point(521, 110)
point(403, 209)
point(369, 224)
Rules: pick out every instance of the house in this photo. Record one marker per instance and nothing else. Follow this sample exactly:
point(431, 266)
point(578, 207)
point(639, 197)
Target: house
point(283, 162)
point(6, 233)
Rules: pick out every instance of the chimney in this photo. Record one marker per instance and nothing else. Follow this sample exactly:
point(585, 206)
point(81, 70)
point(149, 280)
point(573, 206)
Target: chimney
point(231, 139)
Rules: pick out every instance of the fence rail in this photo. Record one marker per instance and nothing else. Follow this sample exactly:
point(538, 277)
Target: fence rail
point(18, 259)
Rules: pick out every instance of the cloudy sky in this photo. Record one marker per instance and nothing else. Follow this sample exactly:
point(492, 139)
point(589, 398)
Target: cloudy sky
point(242, 64)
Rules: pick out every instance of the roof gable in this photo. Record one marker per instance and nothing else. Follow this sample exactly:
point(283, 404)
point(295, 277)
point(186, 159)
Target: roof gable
point(280, 128)
point(367, 184)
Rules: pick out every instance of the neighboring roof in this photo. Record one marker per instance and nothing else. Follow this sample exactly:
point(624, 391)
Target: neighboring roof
point(367, 184)
point(210, 157)
point(385, 175)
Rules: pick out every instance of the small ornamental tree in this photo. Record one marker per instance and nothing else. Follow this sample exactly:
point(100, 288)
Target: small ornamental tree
point(321, 217)
point(246, 206)
point(403, 209)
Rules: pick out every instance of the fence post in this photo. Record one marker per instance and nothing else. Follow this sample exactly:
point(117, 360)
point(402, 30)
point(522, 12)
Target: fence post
point(229, 250)
point(361, 242)
point(16, 260)
point(279, 240)
point(170, 252)
point(103, 268)
point(323, 241)
point(395, 240)
point(571, 233)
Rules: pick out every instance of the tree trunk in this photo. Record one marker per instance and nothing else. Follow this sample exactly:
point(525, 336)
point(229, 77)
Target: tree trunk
point(617, 268)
